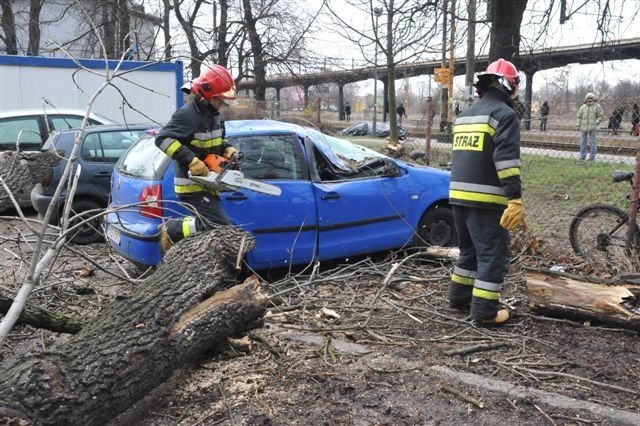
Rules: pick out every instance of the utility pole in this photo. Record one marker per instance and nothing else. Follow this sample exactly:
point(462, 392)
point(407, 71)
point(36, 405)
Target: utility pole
point(443, 90)
point(471, 51)
point(452, 62)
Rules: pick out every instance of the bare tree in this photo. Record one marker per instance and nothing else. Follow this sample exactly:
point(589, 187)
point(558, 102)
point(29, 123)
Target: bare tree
point(411, 35)
point(506, 19)
point(8, 25)
point(34, 26)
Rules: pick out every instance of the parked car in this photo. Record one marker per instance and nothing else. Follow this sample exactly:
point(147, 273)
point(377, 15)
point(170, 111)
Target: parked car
point(31, 127)
point(338, 199)
point(100, 148)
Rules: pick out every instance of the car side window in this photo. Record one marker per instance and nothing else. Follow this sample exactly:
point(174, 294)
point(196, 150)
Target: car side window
point(26, 129)
point(108, 147)
point(269, 156)
point(64, 122)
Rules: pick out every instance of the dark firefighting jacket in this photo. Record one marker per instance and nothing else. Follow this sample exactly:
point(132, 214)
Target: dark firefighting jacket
point(195, 130)
point(485, 157)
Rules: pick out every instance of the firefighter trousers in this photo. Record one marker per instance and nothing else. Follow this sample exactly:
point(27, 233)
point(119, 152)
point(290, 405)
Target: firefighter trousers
point(483, 262)
point(209, 211)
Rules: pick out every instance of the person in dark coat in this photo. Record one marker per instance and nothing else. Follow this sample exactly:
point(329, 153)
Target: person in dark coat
point(544, 112)
point(347, 112)
point(616, 119)
point(401, 113)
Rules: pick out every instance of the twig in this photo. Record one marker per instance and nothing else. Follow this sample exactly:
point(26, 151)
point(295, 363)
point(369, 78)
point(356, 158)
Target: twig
point(579, 378)
point(477, 348)
point(463, 396)
point(545, 415)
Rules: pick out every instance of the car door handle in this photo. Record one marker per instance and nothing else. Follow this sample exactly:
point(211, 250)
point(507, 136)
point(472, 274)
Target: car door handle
point(102, 174)
point(236, 196)
point(330, 196)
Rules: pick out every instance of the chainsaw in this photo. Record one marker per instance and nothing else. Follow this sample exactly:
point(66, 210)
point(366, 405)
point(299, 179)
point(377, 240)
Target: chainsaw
point(224, 176)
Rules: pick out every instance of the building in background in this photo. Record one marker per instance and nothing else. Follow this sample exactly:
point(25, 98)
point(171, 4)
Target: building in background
point(63, 23)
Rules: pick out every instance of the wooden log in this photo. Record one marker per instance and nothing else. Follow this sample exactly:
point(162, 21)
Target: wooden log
point(184, 308)
point(446, 252)
point(617, 305)
point(40, 318)
point(22, 170)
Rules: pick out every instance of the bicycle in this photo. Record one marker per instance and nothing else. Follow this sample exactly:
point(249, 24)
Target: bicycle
point(598, 232)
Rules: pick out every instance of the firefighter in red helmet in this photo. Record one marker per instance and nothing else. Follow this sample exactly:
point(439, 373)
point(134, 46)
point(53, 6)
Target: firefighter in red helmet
point(193, 132)
point(485, 193)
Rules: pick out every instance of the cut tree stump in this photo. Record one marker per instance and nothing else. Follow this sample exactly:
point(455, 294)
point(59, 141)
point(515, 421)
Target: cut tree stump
point(557, 296)
point(22, 170)
point(134, 345)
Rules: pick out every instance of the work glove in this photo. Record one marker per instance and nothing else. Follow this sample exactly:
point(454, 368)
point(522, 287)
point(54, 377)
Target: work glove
point(513, 215)
point(198, 168)
point(230, 152)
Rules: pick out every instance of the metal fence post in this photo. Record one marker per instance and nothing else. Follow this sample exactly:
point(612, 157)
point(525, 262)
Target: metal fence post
point(427, 142)
point(633, 209)
point(318, 105)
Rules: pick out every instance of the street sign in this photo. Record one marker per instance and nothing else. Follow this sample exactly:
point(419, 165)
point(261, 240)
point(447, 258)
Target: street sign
point(441, 75)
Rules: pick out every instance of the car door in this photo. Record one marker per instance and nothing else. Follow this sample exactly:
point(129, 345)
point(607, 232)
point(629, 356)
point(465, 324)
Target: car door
point(360, 214)
point(284, 226)
point(100, 151)
point(28, 131)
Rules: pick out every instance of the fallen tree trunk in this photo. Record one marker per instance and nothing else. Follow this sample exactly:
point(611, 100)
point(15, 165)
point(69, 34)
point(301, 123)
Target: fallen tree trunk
point(617, 305)
point(134, 345)
point(22, 170)
point(40, 318)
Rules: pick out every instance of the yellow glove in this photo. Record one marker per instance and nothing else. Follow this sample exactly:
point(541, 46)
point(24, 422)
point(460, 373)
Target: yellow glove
point(229, 152)
point(197, 167)
point(513, 215)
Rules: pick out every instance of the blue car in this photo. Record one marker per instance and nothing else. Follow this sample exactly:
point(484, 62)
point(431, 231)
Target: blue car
point(338, 199)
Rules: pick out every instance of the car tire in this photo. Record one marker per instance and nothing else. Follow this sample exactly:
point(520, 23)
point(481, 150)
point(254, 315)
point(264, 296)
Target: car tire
point(436, 228)
point(89, 232)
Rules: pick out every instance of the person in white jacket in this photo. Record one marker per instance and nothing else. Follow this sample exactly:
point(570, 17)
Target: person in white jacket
point(589, 118)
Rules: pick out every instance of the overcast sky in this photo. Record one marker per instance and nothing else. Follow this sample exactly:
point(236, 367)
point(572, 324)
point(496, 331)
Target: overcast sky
point(581, 28)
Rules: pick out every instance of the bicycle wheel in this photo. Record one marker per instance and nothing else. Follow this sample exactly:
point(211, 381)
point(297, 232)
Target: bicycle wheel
point(598, 233)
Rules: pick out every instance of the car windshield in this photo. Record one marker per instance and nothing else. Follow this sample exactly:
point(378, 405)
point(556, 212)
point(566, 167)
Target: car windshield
point(342, 153)
point(143, 160)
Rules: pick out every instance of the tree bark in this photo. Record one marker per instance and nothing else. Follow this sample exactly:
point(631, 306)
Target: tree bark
point(259, 66)
point(134, 345)
point(8, 24)
point(506, 18)
point(34, 26)
point(22, 170)
point(166, 29)
point(617, 305)
point(108, 28)
point(40, 318)
point(124, 22)
point(223, 31)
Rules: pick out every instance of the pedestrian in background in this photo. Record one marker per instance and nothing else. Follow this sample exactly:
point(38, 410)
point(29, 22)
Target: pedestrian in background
point(635, 120)
point(347, 112)
point(616, 119)
point(589, 118)
point(401, 113)
point(544, 112)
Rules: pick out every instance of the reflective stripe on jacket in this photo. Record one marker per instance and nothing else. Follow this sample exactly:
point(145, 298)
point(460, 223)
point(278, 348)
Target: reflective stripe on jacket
point(195, 130)
point(485, 157)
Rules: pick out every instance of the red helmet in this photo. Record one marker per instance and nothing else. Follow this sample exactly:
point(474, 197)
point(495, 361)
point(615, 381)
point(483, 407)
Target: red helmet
point(507, 75)
point(214, 82)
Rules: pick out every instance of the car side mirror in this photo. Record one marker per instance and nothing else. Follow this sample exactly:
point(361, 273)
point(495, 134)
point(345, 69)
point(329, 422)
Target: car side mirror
point(391, 168)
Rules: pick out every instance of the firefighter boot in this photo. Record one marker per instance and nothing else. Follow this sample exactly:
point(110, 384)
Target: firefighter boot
point(502, 317)
point(165, 241)
point(459, 296)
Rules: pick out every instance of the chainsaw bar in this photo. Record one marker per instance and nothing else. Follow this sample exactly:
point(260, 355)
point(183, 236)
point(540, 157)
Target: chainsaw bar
point(234, 180)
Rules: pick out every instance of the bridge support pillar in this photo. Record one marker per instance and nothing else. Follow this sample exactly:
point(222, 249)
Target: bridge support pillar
point(306, 96)
point(528, 92)
point(340, 102)
point(278, 100)
point(385, 103)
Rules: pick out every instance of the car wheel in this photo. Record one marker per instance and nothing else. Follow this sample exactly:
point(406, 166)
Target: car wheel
point(89, 232)
point(436, 228)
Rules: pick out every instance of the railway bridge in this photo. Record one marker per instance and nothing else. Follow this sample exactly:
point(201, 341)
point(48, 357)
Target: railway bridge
point(529, 63)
